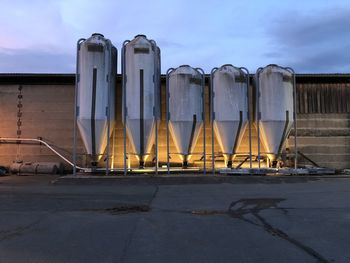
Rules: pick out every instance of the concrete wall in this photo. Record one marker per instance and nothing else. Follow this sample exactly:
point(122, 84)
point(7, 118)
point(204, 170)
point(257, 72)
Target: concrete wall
point(324, 138)
point(47, 112)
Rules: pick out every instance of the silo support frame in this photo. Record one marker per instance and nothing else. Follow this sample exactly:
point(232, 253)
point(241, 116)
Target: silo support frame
point(167, 119)
point(157, 110)
point(201, 71)
point(110, 82)
point(76, 108)
point(124, 105)
point(258, 115)
point(212, 118)
point(294, 118)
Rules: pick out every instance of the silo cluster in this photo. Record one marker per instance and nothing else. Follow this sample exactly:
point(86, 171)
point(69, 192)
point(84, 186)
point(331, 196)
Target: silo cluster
point(233, 108)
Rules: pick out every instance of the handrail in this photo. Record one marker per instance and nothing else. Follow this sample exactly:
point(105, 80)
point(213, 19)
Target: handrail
point(46, 144)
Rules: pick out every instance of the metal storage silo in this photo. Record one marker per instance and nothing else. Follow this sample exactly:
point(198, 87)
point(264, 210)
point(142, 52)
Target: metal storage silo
point(275, 108)
point(185, 107)
point(229, 90)
point(141, 96)
point(95, 92)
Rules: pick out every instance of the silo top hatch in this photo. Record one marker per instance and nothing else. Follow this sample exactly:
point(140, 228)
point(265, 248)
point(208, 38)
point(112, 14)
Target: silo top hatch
point(189, 74)
point(287, 76)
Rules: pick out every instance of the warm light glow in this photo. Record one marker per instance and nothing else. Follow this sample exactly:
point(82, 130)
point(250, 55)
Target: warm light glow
point(189, 157)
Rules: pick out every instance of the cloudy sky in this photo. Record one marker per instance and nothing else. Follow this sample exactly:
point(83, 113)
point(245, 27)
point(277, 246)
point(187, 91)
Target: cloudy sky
point(39, 36)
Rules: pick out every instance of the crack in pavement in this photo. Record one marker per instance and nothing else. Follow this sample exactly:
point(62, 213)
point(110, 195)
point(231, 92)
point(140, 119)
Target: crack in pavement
point(18, 231)
point(238, 209)
point(121, 209)
point(132, 234)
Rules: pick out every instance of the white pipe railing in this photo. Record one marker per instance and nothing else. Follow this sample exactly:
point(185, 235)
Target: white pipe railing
point(2, 139)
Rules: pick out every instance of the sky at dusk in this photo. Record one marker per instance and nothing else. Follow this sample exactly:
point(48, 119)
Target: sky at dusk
point(312, 36)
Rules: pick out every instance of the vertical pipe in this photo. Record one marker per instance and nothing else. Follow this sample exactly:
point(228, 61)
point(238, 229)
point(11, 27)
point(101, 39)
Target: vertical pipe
point(295, 124)
point(249, 115)
point(75, 109)
point(124, 102)
point(159, 112)
point(258, 111)
point(113, 146)
point(110, 81)
point(157, 105)
point(294, 118)
point(109, 108)
point(156, 150)
point(212, 118)
point(92, 117)
point(167, 118)
point(113, 81)
point(156, 108)
point(142, 123)
point(201, 71)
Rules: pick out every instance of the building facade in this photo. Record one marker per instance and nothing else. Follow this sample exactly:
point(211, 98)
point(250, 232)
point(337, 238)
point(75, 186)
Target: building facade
point(42, 106)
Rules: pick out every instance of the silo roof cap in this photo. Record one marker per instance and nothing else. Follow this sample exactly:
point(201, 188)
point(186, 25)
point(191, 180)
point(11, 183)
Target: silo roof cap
point(97, 35)
point(140, 35)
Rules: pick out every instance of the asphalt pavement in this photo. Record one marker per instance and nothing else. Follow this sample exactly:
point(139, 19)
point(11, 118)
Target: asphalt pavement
point(257, 219)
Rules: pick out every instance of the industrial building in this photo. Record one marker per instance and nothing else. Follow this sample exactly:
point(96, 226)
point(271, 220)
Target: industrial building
point(46, 109)
point(46, 103)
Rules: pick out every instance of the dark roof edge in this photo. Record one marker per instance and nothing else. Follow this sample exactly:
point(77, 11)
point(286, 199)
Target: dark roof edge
point(69, 79)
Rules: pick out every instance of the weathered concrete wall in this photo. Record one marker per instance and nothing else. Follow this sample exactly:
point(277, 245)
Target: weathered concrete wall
point(325, 139)
point(47, 112)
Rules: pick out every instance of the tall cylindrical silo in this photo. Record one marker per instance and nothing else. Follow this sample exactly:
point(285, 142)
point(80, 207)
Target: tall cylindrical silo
point(275, 108)
point(141, 94)
point(96, 73)
point(230, 108)
point(185, 109)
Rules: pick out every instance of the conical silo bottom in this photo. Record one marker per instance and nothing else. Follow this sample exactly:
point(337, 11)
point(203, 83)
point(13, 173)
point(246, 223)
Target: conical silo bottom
point(94, 136)
point(185, 135)
point(273, 134)
point(229, 135)
point(141, 135)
